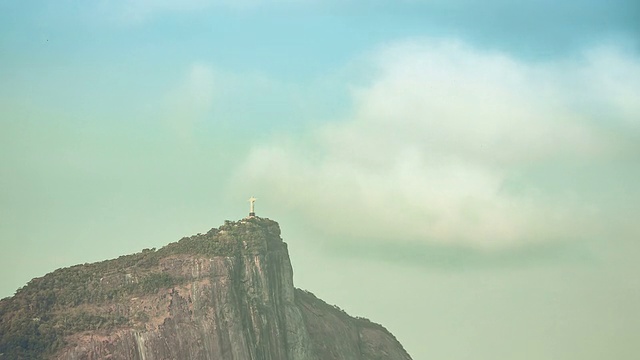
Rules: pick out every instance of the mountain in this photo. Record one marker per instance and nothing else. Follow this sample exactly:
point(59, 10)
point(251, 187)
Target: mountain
point(226, 294)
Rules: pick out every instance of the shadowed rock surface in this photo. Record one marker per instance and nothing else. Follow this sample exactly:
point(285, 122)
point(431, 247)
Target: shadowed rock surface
point(226, 294)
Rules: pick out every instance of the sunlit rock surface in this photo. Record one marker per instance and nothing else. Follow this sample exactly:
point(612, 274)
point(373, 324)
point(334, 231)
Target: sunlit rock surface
point(227, 294)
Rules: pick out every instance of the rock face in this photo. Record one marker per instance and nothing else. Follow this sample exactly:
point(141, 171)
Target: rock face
point(227, 294)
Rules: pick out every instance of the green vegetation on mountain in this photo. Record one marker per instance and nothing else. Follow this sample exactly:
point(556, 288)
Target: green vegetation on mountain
point(226, 294)
point(34, 322)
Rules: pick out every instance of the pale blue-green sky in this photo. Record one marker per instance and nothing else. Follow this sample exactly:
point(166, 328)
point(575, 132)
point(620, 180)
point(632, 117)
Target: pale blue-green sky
point(464, 172)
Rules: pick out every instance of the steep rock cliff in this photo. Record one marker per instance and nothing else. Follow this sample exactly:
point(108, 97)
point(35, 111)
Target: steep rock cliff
point(226, 294)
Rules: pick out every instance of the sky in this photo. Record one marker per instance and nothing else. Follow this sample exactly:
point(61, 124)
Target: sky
point(465, 173)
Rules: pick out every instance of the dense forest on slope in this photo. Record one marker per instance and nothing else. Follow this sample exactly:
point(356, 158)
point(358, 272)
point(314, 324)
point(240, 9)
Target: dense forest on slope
point(35, 321)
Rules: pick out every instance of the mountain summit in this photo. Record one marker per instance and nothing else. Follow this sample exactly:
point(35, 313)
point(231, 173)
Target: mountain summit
point(226, 294)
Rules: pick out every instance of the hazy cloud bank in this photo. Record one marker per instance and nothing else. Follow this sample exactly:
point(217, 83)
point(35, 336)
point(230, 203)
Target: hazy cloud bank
point(448, 144)
point(190, 101)
point(140, 11)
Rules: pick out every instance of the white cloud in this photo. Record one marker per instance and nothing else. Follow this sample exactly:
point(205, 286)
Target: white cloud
point(435, 140)
point(191, 100)
point(136, 11)
point(139, 11)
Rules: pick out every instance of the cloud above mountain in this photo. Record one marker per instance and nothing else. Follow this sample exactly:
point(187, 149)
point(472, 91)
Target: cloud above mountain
point(190, 100)
point(448, 144)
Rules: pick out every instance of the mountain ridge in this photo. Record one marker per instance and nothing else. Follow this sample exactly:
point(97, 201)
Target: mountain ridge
point(225, 294)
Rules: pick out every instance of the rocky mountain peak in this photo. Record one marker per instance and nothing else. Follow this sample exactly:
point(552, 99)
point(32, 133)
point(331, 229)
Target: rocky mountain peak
point(225, 294)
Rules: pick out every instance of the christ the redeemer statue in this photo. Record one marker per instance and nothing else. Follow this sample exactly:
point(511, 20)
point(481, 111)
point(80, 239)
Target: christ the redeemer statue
point(252, 211)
